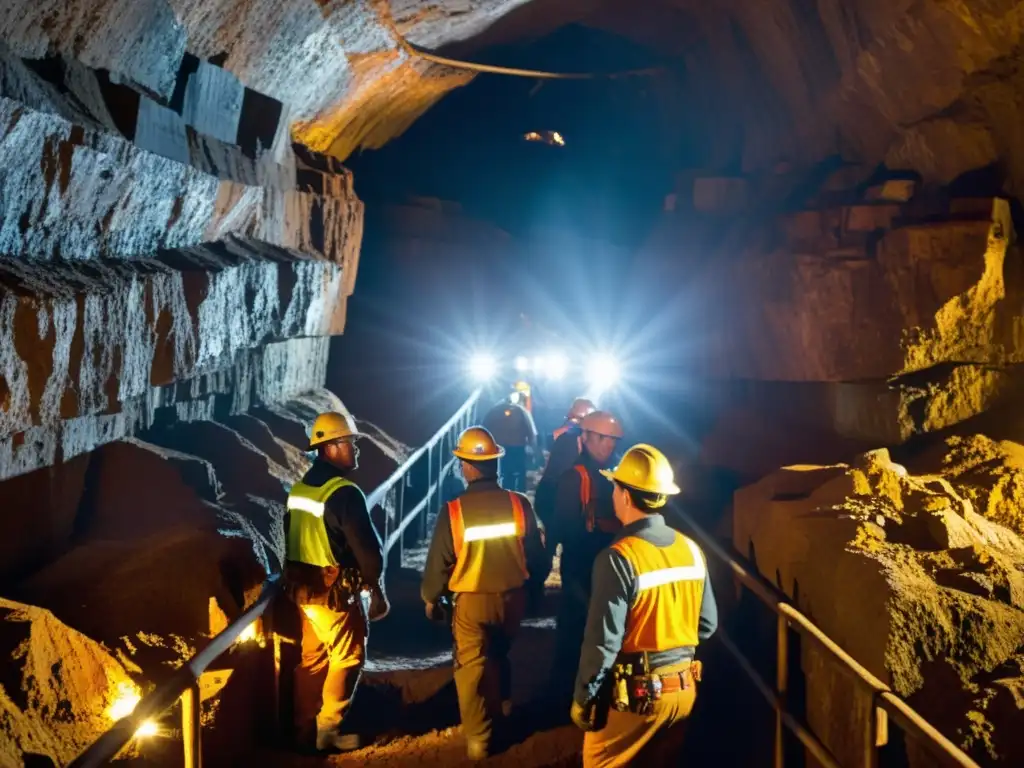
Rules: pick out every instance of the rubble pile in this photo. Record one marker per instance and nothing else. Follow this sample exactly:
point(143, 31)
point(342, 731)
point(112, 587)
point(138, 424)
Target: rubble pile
point(60, 689)
point(920, 577)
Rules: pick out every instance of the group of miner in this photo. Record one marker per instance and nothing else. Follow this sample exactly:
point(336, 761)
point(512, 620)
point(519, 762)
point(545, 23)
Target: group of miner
point(635, 601)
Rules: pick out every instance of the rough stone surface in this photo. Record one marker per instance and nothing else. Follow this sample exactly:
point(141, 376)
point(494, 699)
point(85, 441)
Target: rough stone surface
point(931, 87)
point(38, 520)
point(817, 308)
point(909, 577)
point(336, 65)
point(55, 688)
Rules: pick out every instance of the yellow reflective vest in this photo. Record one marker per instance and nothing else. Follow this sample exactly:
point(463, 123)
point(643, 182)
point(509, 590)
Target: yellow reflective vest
point(307, 540)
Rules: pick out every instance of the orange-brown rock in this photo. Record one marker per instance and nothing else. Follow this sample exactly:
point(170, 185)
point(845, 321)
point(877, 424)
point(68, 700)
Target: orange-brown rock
point(58, 688)
point(932, 293)
point(908, 577)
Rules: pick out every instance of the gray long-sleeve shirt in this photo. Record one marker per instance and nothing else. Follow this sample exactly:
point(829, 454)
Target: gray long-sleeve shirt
point(614, 590)
point(441, 555)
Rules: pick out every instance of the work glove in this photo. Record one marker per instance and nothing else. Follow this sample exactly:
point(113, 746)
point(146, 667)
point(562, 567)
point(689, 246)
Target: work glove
point(583, 717)
point(379, 605)
point(435, 612)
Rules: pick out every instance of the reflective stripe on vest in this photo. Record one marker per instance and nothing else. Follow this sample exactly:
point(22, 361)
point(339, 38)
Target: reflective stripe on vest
point(559, 432)
point(670, 586)
point(606, 525)
point(494, 546)
point(307, 540)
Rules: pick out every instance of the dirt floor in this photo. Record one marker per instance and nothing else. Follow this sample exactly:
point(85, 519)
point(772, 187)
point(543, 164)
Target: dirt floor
point(408, 689)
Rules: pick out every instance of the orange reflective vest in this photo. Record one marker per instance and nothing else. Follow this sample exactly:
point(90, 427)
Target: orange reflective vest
point(603, 524)
point(669, 589)
point(489, 556)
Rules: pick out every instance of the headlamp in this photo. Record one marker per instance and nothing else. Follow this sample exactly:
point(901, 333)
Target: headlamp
point(482, 368)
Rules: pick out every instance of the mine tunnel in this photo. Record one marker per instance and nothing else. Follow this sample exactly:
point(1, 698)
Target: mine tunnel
point(776, 239)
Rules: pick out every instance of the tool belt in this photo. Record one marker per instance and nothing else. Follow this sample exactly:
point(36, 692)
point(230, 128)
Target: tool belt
point(637, 693)
point(332, 586)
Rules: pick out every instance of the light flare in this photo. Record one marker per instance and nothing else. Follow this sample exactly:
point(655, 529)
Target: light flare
point(126, 699)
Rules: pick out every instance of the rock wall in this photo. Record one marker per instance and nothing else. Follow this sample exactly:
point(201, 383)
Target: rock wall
point(917, 576)
point(924, 86)
point(332, 71)
point(836, 312)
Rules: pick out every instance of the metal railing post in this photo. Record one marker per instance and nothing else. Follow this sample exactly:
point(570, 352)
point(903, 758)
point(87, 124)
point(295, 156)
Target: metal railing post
point(876, 732)
point(276, 638)
point(781, 684)
point(191, 726)
point(430, 481)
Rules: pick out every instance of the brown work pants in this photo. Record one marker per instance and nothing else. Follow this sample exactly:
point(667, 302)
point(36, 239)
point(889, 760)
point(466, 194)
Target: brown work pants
point(333, 653)
point(484, 626)
point(643, 740)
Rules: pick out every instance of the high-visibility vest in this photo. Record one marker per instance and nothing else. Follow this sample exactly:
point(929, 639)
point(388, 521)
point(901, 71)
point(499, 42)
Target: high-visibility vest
point(669, 589)
point(307, 540)
point(603, 524)
point(489, 552)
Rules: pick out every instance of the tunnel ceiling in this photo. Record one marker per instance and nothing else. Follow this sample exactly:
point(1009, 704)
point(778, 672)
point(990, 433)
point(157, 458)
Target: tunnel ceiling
point(927, 85)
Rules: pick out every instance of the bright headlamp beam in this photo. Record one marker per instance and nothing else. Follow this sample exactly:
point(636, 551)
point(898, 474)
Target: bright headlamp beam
point(602, 372)
point(522, 364)
point(556, 365)
point(482, 368)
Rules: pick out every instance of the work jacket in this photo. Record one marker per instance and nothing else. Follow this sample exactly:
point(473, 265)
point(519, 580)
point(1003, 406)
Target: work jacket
point(486, 540)
point(565, 452)
point(584, 521)
point(651, 594)
point(328, 531)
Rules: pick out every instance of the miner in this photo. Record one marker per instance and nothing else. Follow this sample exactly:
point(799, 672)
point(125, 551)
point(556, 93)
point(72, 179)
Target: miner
point(513, 428)
point(485, 551)
point(651, 605)
point(334, 561)
point(584, 523)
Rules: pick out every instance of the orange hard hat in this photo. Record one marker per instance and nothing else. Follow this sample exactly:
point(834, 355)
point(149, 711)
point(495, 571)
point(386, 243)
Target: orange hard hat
point(602, 423)
point(580, 407)
point(478, 444)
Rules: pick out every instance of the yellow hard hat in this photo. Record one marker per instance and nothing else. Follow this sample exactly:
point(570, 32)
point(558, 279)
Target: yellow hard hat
point(521, 386)
point(603, 423)
point(477, 444)
point(645, 468)
point(332, 426)
point(580, 407)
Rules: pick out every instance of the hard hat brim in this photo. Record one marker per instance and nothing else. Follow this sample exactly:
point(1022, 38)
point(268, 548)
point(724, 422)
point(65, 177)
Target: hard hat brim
point(324, 440)
point(478, 456)
point(670, 490)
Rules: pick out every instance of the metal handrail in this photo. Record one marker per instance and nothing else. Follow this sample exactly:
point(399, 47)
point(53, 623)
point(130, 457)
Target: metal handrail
point(184, 684)
point(459, 420)
point(884, 702)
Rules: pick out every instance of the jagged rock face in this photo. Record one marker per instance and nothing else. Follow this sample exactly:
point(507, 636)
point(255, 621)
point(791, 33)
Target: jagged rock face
point(909, 577)
point(149, 270)
point(924, 86)
point(334, 68)
point(57, 687)
point(829, 303)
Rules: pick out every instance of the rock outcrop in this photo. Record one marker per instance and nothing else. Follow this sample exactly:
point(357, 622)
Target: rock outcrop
point(58, 690)
point(920, 577)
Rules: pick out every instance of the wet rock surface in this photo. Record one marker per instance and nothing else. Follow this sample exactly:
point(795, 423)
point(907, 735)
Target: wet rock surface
point(917, 576)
